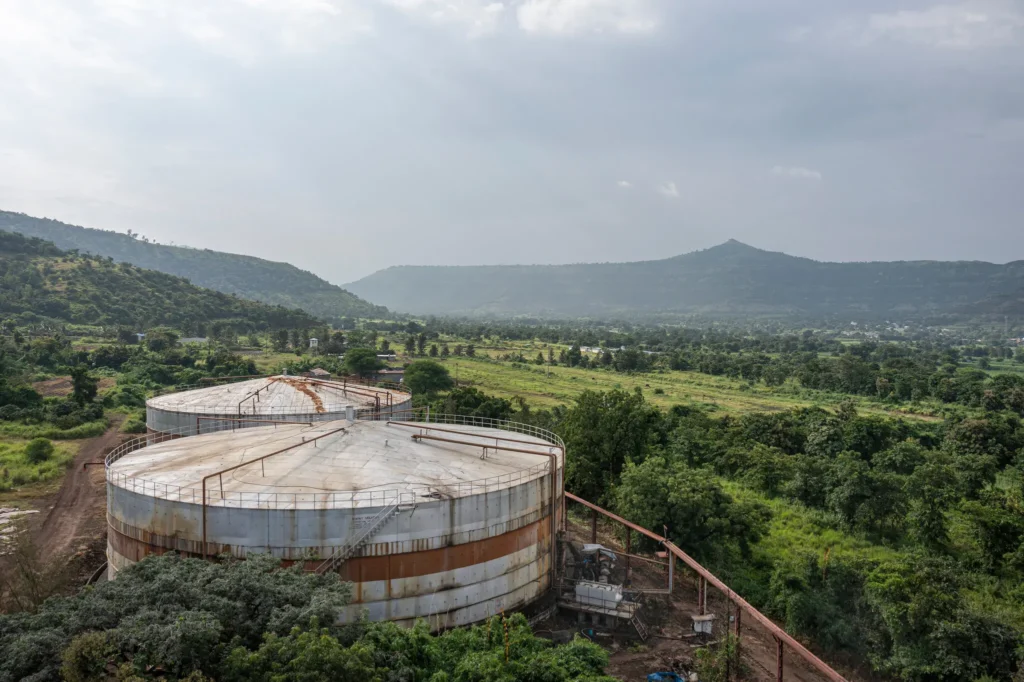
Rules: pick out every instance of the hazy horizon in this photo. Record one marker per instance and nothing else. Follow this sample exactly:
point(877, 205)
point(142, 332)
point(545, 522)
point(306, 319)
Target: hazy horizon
point(346, 136)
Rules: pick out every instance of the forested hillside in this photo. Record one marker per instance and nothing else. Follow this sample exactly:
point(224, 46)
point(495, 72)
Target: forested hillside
point(252, 278)
point(39, 281)
point(731, 279)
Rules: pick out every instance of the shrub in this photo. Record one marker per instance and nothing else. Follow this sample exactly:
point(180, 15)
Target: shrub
point(131, 395)
point(38, 450)
point(133, 425)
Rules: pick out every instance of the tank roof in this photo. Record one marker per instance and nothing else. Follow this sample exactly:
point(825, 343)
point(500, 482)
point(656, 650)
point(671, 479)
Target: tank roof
point(351, 464)
point(276, 395)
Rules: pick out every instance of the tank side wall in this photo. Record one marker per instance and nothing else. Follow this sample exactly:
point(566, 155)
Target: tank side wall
point(455, 561)
point(292, 534)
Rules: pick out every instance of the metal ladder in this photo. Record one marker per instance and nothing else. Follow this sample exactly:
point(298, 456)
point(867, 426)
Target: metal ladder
point(334, 562)
point(641, 629)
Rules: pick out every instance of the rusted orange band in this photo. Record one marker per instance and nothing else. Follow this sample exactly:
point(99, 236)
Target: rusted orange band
point(367, 569)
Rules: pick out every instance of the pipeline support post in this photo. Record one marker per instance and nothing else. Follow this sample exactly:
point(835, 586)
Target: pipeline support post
point(671, 566)
point(629, 550)
point(739, 617)
point(778, 660)
point(593, 527)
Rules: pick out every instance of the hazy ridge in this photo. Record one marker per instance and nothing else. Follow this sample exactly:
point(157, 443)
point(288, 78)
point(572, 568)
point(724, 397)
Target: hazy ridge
point(249, 277)
point(731, 279)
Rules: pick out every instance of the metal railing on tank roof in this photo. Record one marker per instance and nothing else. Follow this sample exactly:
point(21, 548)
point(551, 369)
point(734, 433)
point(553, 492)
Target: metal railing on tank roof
point(386, 394)
point(340, 499)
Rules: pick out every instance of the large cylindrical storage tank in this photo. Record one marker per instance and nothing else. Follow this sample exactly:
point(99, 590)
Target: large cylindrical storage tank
point(276, 398)
point(443, 521)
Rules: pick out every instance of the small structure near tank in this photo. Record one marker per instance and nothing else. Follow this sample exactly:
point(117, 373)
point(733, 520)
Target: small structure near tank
point(602, 596)
point(704, 624)
point(589, 588)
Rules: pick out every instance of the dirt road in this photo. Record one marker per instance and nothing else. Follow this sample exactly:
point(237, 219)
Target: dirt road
point(79, 510)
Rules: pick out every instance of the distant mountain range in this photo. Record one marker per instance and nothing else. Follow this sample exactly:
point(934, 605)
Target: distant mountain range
point(248, 277)
point(40, 282)
point(729, 280)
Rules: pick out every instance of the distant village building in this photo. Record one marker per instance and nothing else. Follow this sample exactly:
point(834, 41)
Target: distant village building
point(194, 339)
point(317, 373)
point(396, 376)
point(390, 355)
point(313, 342)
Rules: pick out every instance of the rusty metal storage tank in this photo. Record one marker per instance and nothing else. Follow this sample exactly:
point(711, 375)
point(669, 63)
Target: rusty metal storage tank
point(276, 398)
point(448, 521)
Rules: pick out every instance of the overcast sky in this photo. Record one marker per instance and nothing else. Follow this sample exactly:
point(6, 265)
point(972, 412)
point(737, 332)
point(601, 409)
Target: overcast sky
point(348, 135)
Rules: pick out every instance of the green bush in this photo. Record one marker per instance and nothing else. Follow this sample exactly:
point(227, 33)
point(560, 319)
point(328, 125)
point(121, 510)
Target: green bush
point(16, 469)
point(38, 450)
point(130, 395)
point(133, 425)
point(251, 620)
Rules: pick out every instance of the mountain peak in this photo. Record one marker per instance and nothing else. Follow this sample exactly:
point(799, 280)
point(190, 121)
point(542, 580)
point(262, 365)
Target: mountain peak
point(733, 245)
point(730, 249)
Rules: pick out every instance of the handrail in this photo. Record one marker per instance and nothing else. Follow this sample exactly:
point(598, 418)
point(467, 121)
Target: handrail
point(367, 390)
point(338, 499)
point(342, 553)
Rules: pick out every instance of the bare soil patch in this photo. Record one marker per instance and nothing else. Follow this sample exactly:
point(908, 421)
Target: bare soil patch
point(58, 387)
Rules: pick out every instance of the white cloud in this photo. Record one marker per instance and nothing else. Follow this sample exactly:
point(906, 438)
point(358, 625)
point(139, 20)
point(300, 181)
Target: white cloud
point(669, 189)
point(624, 184)
point(568, 17)
point(477, 17)
point(968, 25)
point(798, 172)
point(53, 45)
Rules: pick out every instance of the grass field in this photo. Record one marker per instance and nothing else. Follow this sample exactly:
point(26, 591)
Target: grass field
point(546, 386)
point(16, 470)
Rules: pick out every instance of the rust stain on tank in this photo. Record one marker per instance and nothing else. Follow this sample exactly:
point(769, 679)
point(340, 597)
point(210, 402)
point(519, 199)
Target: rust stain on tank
point(301, 387)
point(420, 563)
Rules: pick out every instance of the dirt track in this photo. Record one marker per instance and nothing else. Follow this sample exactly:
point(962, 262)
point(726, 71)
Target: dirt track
point(78, 512)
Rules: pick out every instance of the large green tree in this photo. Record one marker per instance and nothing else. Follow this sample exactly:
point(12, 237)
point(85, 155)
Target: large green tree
point(602, 431)
point(362, 361)
point(425, 377)
point(702, 518)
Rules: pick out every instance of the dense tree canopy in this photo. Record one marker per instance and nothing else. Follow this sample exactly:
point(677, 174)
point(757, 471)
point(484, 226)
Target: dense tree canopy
point(424, 377)
point(167, 617)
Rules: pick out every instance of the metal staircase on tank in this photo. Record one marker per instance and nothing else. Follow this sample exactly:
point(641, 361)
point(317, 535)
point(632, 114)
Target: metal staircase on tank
point(341, 555)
